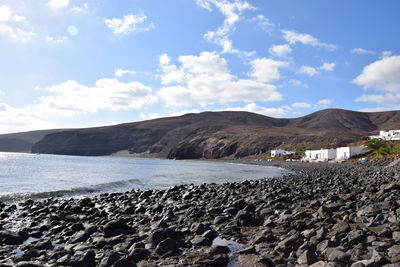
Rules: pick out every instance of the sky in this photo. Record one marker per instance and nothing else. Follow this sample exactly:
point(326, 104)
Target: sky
point(84, 63)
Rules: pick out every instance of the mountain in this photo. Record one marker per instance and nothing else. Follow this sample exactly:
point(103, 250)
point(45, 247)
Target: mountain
point(219, 134)
point(22, 142)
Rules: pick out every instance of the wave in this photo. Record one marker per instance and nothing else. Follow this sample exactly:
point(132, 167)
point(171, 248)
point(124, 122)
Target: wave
point(75, 191)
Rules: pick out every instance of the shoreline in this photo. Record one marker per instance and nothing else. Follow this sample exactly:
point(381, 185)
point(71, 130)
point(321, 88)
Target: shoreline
point(320, 214)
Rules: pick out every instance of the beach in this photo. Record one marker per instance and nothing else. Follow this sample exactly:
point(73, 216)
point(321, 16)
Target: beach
point(319, 214)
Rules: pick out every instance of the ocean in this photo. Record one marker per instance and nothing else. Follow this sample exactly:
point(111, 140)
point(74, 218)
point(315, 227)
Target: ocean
point(25, 176)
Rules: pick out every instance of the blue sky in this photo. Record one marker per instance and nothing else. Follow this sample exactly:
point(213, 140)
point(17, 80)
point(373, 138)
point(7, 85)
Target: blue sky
point(81, 63)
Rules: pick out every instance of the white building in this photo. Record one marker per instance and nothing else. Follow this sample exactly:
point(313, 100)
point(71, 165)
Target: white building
point(320, 155)
point(387, 135)
point(343, 153)
point(281, 152)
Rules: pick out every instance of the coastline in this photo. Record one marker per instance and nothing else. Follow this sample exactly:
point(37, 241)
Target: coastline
point(320, 214)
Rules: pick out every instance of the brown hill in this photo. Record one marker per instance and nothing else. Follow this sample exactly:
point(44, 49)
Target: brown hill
point(22, 142)
point(219, 134)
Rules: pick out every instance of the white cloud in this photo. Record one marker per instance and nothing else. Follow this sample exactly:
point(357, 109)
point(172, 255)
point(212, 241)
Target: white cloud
point(58, 4)
point(279, 112)
point(329, 67)
point(379, 98)
point(266, 70)
point(122, 72)
point(150, 116)
point(382, 75)
point(80, 9)
point(301, 105)
point(16, 33)
point(53, 40)
point(17, 120)
point(263, 23)
point(280, 50)
point(205, 79)
point(298, 83)
point(70, 98)
point(164, 59)
point(324, 103)
point(232, 11)
point(361, 51)
point(128, 24)
point(310, 71)
point(294, 37)
point(14, 26)
point(5, 13)
point(386, 54)
point(382, 108)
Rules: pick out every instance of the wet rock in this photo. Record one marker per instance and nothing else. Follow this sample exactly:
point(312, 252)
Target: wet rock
point(43, 244)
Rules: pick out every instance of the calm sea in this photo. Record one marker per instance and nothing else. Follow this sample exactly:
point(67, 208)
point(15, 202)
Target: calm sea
point(36, 176)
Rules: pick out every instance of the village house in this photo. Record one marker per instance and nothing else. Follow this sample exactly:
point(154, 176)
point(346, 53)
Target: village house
point(344, 153)
point(281, 152)
point(391, 135)
point(320, 155)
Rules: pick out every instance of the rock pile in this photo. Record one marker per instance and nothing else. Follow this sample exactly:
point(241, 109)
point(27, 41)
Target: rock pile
point(321, 215)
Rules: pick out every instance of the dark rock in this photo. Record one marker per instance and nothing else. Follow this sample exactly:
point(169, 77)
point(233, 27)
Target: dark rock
point(117, 227)
point(355, 236)
point(10, 238)
point(138, 254)
point(245, 218)
point(394, 253)
point(220, 219)
point(109, 259)
point(165, 246)
point(307, 257)
point(201, 241)
point(43, 244)
point(83, 259)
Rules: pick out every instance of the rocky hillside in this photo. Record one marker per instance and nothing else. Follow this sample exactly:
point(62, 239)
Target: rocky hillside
point(219, 134)
point(22, 142)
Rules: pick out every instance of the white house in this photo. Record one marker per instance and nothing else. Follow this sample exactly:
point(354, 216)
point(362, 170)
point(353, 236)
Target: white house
point(387, 135)
point(281, 152)
point(344, 153)
point(320, 155)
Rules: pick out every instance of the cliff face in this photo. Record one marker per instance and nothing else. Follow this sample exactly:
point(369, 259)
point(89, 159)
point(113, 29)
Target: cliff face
point(219, 134)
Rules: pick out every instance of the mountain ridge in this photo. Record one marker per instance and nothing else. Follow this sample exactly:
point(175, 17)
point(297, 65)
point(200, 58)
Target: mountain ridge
point(218, 134)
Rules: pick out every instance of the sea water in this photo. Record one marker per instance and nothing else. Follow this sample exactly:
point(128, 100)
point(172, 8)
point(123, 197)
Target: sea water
point(38, 176)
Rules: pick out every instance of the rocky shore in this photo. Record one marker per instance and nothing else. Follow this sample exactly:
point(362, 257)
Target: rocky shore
point(320, 215)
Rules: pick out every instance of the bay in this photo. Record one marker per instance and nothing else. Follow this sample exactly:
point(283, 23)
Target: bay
point(37, 176)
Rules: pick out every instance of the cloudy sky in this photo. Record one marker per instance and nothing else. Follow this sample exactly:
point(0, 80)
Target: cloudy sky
point(79, 63)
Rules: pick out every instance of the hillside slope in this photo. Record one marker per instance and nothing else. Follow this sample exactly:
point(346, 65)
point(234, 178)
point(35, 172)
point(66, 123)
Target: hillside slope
point(219, 134)
point(22, 142)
